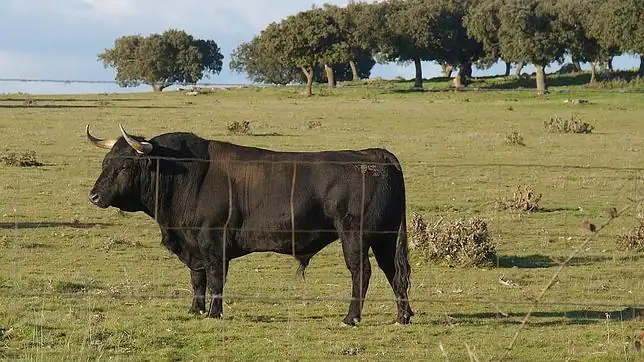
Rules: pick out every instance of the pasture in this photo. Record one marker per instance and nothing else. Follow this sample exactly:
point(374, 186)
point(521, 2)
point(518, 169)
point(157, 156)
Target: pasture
point(78, 282)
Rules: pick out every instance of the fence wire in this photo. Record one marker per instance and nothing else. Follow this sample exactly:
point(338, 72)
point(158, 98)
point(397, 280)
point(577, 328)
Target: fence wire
point(297, 168)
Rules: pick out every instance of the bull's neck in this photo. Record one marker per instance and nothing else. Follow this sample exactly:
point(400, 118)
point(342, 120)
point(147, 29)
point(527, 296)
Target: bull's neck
point(167, 199)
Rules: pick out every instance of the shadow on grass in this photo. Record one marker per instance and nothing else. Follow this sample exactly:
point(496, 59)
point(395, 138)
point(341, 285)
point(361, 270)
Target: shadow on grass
point(282, 319)
point(537, 261)
point(530, 82)
point(577, 317)
point(270, 134)
point(108, 98)
point(421, 90)
point(534, 261)
point(552, 80)
point(49, 224)
point(62, 106)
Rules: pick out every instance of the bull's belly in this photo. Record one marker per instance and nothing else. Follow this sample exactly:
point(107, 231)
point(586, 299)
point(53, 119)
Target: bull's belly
point(300, 243)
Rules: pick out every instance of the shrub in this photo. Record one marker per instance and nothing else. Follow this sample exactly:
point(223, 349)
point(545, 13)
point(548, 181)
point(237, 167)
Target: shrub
point(634, 239)
point(119, 243)
point(514, 139)
point(237, 127)
point(524, 199)
point(459, 242)
point(574, 125)
point(26, 159)
point(313, 124)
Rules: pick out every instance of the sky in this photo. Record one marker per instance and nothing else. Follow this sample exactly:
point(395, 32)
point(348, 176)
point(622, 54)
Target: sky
point(60, 39)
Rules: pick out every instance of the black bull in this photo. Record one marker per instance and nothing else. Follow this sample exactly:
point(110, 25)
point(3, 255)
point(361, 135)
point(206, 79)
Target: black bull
point(216, 201)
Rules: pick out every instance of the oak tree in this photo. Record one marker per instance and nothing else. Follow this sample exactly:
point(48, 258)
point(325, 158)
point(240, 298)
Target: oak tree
point(529, 31)
point(161, 60)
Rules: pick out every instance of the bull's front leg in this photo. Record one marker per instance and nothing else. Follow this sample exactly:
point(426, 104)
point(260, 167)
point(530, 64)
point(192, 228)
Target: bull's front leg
point(198, 281)
point(216, 276)
point(215, 262)
point(176, 245)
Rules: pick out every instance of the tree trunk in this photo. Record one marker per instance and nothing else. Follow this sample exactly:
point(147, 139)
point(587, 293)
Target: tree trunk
point(354, 70)
point(464, 71)
point(418, 82)
point(468, 72)
point(508, 67)
point(593, 72)
point(309, 81)
point(541, 80)
point(519, 68)
point(641, 72)
point(156, 87)
point(329, 76)
point(457, 80)
point(447, 70)
point(576, 66)
point(610, 64)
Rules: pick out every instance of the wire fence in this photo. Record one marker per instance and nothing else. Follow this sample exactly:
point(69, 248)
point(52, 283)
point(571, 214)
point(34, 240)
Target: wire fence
point(113, 82)
point(487, 88)
point(285, 188)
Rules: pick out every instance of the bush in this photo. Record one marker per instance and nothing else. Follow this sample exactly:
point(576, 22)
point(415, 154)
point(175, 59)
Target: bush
point(26, 159)
point(237, 127)
point(618, 80)
point(313, 124)
point(459, 242)
point(119, 243)
point(634, 239)
point(524, 199)
point(514, 139)
point(574, 125)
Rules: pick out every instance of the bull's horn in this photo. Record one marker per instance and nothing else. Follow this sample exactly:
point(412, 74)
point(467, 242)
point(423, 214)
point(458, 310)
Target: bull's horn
point(108, 144)
point(142, 148)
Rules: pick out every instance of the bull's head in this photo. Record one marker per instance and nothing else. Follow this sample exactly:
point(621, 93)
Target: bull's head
point(124, 172)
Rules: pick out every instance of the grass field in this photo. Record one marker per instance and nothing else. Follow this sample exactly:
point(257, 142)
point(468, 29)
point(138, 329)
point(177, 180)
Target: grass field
point(79, 283)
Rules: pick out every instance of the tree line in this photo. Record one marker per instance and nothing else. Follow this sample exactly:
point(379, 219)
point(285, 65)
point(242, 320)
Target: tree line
point(331, 43)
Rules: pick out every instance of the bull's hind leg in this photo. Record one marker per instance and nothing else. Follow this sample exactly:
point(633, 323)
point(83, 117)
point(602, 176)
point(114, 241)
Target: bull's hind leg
point(384, 249)
point(356, 256)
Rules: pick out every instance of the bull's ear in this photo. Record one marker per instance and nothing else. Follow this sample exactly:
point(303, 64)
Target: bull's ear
point(141, 147)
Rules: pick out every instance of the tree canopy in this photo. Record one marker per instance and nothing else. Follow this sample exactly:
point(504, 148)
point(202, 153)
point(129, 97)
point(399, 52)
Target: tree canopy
point(620, 24)
point(343, 42)
point(357, 42)
point(482, 22)
point(262, 61)
point(161, 60)
point(529, 31)
point(307, 39)
point(408, 33)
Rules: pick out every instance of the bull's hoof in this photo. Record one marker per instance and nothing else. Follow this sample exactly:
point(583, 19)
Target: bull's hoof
point(215, 315)
point(405, 319)
point(351, 321)
point(197, 311)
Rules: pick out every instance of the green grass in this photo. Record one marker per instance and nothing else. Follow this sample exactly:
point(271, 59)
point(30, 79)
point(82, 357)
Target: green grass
point(78, 282)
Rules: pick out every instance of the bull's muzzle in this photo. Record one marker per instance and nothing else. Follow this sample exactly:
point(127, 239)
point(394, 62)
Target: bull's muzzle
point(95, 199)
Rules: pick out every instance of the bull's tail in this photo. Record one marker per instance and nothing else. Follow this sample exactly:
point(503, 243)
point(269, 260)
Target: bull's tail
point(401, 261)
point(401, 282)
